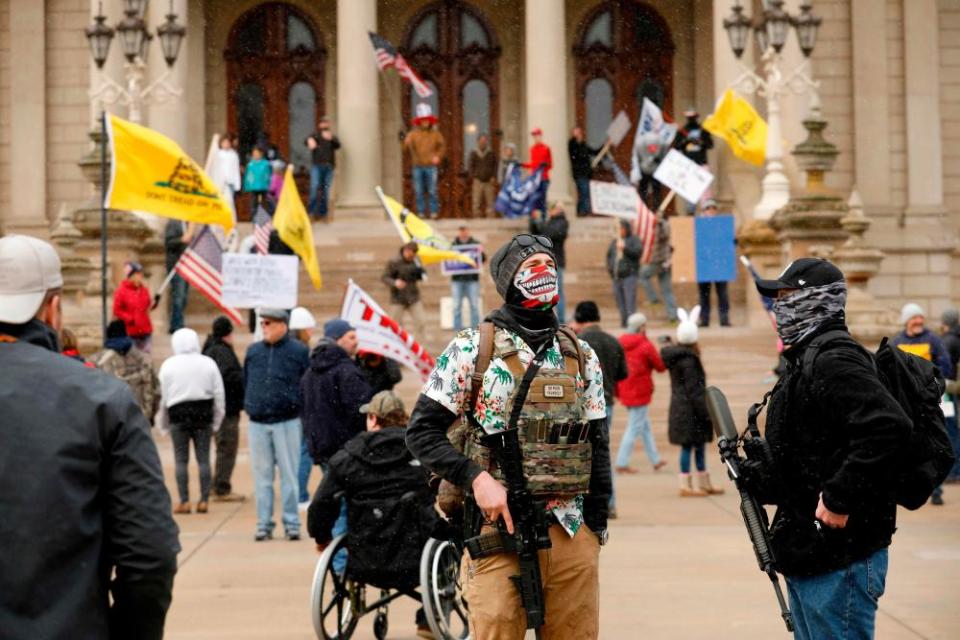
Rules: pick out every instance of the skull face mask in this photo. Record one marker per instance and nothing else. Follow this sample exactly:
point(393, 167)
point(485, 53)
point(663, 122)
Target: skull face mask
point(537, 287)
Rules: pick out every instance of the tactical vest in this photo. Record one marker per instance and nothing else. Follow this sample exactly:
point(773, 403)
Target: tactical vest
point(553, 430)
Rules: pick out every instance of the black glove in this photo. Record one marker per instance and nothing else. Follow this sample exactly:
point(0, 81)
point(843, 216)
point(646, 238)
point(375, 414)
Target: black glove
point(595, 510)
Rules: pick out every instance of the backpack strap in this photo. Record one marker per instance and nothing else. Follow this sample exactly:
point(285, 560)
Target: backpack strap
point(813, 349)
point(572, 351)
point(484, 355)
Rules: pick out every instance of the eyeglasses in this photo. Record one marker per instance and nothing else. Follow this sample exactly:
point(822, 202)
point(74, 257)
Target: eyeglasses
point(528, 240)
point(265, 322)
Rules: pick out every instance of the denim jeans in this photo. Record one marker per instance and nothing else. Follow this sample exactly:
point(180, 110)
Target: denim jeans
point(841, 604)
point(638, 424)
point(181, 436)
point(625, 293)
point(303, 471)
point(469, 289)
point(425, 184)
point(321, 176)
point(276, 445)
point(178, 301)
point(583, 195)
point(562, 303)
point(699, 455)
point(339, 527)
point(649, 271)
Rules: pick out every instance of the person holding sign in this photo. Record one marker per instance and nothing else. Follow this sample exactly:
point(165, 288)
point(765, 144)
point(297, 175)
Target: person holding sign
point(694, 141)
point(723, 302)
point(465, 285)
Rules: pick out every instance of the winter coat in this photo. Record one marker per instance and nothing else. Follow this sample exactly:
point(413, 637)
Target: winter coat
point(840, 434)
point(928, 346)
point(132, 305)
point(642, 360)
point(482, 166)
point(689, 422)
point(189, 376)
point(468, 277)
point(556, 228)
point(951, 342)
point(133, 367)
point(647, 153)
point(629, 262)
point(383, 377)
point(611, 357)
point(540, 156)
point(257, 175)
point(333, 389)
point(325, 151)
point(271, 375)
point(423, 145)
point(694, 141)
point(411, 273)
point(172, 243)
point(231, 372)
point(581, 158)
point(89, 545)
point(660, 256)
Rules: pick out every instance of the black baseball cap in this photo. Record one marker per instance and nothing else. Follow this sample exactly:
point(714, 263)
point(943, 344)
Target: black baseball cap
point(801, 274)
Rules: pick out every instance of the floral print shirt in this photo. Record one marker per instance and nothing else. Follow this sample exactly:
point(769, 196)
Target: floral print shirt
point(450, 383)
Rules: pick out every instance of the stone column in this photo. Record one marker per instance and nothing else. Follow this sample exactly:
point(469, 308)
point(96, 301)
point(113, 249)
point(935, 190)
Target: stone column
point(28, 127)
point(358, 117)
point(545, 49)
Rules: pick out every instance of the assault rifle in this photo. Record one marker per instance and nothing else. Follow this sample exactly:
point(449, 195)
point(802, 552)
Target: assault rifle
point(754, 516)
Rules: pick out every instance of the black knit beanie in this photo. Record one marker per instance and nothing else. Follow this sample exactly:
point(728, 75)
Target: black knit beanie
point(509, 257)
point(222, 327)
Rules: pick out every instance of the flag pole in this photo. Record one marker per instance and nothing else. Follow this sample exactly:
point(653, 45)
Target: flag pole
point(103, 223)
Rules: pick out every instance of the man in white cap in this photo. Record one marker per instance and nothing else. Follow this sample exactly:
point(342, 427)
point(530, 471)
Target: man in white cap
point(427, 148)
point(89, 543)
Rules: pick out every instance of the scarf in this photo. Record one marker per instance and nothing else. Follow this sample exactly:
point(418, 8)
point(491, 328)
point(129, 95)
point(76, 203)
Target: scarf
point(535, 327)
point(804, 312)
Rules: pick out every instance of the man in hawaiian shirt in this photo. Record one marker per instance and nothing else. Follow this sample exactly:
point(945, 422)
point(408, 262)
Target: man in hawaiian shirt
point(525, 274)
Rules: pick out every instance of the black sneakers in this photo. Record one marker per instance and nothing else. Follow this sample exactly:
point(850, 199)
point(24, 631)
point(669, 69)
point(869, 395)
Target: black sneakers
point(263, 535)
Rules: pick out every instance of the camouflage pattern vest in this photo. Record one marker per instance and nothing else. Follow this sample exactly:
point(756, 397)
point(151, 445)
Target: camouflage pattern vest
point(553, 431)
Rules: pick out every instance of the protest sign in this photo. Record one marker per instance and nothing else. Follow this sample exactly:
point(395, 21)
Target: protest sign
point(611, 199)
point(704, 249)
point(459, 268)
point(619, 128)
point(251, 280)
point(681, 174)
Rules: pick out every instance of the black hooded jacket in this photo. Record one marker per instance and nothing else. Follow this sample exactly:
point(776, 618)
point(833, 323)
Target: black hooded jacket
point(689, 422)
point(230, 370)
point(332, 391)
point(838, 433)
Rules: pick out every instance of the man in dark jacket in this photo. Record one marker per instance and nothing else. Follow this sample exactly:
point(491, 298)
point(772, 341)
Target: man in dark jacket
point(402, 275)
point(219, 346)
point(482, 169)
point(950, 319)
point(693, 141)
point(466, 285)
point(555, 227)
point(272, 372)
point(581, 158)
point(323, 147)
point(623, 265)
point(177, 235)
point(835, 439)
point(89, 546)
point(380, 372)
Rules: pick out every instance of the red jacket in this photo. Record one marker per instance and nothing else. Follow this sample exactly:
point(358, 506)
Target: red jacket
point(132, 305)
point(540, 154)
point(642, 360)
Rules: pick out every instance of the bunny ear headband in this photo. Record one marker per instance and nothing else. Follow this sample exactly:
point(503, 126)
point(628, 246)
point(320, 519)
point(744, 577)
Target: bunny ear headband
point(682, 314)
point(695, 314)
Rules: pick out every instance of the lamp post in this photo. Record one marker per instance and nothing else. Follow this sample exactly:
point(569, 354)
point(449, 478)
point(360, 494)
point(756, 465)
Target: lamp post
point(135, 38)
point(770, 33)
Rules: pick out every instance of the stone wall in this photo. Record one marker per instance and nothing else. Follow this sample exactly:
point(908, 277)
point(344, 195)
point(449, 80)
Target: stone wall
point(950, 112)
point(832, 67)
point(4, 109)
point(897, 145)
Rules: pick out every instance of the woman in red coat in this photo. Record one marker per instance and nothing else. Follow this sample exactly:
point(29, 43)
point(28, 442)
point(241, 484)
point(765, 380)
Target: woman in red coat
point(636, 392)
point(131, 303)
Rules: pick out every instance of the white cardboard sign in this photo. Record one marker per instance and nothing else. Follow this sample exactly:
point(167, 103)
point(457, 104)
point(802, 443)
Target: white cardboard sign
point(683, 175)
point(619, 128)
point(251, 280)
point(612, 199)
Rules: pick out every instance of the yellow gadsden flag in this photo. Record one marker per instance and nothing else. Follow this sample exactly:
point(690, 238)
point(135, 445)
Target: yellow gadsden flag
point(293, 226)
point(151, 173)
point(432, 247)
point(736, 121)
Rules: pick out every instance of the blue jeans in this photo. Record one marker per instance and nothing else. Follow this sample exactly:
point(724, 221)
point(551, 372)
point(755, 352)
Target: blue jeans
point(425, 184)
point(339, 527)
point(841, 604)
point(699, 458)
point(649, 271)
point(638, 424)
point(303, 471)
point(625, 293)
point(562, 303)
point(583, 195)
point(276, 445)
point(469, 289)
point(321, 175)
point(178, 301)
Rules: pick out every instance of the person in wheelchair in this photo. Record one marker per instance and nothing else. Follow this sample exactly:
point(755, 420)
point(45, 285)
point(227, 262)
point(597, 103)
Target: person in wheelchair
point(389, 503)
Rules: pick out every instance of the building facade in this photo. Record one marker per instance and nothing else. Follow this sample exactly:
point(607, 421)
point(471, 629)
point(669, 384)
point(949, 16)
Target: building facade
point(889, 73)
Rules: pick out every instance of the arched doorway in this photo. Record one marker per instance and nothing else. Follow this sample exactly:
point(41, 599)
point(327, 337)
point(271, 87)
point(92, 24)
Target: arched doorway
point(623, 53)
point(275, 70)
point(453, 48)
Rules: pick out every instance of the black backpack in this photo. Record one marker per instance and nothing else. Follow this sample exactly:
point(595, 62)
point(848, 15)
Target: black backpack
point(918, 387)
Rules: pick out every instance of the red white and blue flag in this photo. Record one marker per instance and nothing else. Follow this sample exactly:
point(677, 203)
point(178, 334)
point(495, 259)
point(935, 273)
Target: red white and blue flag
point(201, 265)
point(387, 56)
point(262, 228)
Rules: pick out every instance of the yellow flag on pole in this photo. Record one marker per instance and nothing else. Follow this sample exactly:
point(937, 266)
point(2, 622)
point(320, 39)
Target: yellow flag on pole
point(737, 122)
point(150, 172)
point(431, 247)
point(293, 226)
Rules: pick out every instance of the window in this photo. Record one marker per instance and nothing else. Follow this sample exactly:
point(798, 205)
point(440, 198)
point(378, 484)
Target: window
point(425, 34)
point(299, 34)
point(302, 106)
point(476, 115)
point(249, 106)
point(652, 89)
point(599, 31)
point(249, 38)
point(598, 101)
point(472, 32)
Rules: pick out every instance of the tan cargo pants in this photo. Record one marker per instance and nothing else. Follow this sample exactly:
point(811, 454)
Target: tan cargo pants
point(571, 589)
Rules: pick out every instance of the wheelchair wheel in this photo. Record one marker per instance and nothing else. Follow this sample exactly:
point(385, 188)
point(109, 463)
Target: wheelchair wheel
point(443, 602)
point(380, 625)
point(335, 602)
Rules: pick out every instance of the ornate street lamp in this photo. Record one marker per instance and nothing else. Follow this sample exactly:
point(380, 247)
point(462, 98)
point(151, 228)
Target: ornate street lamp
point(171, 35)
point(132, 31)
point(777, 22)
point(806, 25)
point(99, 35)
point(737, 27)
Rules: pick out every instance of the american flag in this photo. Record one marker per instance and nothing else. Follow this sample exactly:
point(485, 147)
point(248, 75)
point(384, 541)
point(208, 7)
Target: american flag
point(387, 56)
point(646, 230)
point(201, 265)
point(262, 227)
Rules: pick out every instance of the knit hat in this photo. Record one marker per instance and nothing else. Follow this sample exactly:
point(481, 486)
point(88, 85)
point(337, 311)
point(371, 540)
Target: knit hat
point(116, 329)
point(586, 311)
point(336, 328)
point(910, 310)
point(950, 318)
point(636, 322)
point(222, 327)
point(131, 268)
point(509, 257)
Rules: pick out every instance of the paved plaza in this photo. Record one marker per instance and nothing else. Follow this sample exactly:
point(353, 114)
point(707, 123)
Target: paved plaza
point(675, 568)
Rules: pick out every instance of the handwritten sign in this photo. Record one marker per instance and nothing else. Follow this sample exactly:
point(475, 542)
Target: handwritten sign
point(611, 199)
point(619, 128)
point(252, 280)
point(683, 175)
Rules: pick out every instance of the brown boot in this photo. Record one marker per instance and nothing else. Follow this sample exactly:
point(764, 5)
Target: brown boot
point(687, 489)
point(703, 480)
point(182, 509)
point(201, 507)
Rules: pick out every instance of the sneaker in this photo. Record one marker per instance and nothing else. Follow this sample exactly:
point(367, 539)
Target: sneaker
point(263, 535)
point(937, 500)
point(293, 536)
point(303, 506)
point(202, 507)
point(182, 509)
point(229, 497)
point(660, 465)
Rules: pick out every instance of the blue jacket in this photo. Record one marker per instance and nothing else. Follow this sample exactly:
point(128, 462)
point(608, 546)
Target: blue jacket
point(257, 175)
point(333, 389)
point(272, 375)
point(928, 346)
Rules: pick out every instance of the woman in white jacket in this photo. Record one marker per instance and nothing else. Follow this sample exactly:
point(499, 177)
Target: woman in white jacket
point(191, 408)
